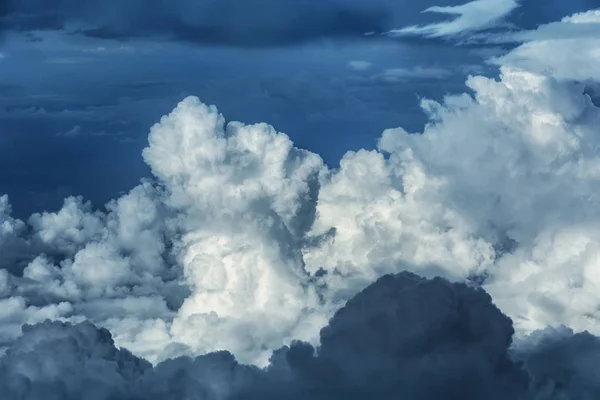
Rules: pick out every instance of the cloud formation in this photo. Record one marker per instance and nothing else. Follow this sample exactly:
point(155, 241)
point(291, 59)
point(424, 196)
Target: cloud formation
point(243, 242)
point(252, 23)
point(402, 337)
point(488, 23)
point(268, 23)
point(576, 38)
point(402, 74)
point(469, 17)
point(360, 65)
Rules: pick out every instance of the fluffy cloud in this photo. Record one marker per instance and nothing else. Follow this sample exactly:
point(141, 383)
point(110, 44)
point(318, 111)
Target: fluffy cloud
point(13, 248)
point(245, 198)
point(61, 361)
point(403, 336)
point(567, 49)
point(242, 242)
point(501, 184)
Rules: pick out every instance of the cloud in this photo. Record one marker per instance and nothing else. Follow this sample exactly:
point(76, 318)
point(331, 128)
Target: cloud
point(13, 247)
point(542, 47)
point(403, 336)
point(77, 131)
point(400, 74)
point(589, 17)
point(61, 361)
point(243, 242)
point(254, 23)
point(469, 17)
point(360, 65)
point(73, 132)
point(69, 60)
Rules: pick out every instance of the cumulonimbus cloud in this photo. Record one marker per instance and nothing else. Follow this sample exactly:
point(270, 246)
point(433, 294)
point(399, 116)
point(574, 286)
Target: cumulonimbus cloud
point(242, 242)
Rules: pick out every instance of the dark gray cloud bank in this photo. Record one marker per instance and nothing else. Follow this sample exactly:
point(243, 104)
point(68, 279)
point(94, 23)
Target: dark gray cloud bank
point(249, 23)
point(252, 23)
point(403, 337)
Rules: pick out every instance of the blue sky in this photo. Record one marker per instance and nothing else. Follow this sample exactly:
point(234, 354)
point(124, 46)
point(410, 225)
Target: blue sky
point(76, 109)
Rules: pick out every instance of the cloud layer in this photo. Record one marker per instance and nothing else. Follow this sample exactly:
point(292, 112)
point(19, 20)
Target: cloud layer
point(252, 23)
point(402, 337)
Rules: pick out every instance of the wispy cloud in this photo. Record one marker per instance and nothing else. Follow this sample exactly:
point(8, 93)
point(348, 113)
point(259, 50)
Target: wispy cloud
point(74, 131)
point(115, 49)
point(360, 65)
point(69, 60)
point(470, 17)
point(399, 74)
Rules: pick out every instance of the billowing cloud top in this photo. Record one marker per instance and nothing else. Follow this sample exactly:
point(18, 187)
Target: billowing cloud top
point(243, 242)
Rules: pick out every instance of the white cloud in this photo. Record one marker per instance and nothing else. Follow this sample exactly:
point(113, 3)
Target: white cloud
point(245, 242)
point(567, 50)
point(360, 65)
point(246, 197)
point(591, 16)
point(470, 17)
point(399, 74)
point(580, 26)
point(116, 49)
point(69, 60)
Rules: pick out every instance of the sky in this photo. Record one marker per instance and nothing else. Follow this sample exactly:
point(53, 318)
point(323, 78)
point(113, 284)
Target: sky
point(299, 199)
point(82, 82)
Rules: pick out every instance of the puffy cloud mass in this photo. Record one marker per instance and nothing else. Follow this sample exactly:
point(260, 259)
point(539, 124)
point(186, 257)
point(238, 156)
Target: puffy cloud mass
point(243, 242)
point(402, 337)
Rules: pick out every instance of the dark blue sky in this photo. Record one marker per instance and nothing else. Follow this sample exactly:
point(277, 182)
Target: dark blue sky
point(82, 82)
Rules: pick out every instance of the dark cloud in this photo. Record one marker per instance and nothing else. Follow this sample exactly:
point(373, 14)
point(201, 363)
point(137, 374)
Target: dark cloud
point(62, 361)
point(3, 13)
point(402, 337)
point(250, 23)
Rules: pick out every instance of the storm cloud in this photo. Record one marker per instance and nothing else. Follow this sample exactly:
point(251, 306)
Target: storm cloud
point(266, 23)
point(262, 23)
point(402, 337)
point(250, 23)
